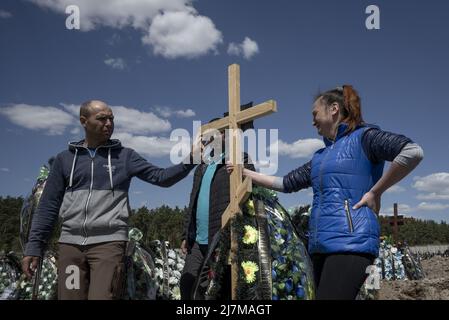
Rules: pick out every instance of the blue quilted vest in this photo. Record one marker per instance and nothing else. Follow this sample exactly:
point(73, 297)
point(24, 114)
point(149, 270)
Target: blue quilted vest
point(341, 174)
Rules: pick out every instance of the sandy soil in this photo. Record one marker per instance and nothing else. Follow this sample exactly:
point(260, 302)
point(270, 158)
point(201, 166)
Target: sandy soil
point(435, 286)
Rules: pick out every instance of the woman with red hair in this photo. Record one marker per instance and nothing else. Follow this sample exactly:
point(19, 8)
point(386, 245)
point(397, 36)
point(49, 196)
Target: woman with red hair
point(347, 180)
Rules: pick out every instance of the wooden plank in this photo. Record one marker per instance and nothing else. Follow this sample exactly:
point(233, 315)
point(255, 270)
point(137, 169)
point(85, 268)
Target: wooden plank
point(234, 109)
point(236, 175)
point(242, 194)
point(257, 111)
point(234, 89)
point(244, 116)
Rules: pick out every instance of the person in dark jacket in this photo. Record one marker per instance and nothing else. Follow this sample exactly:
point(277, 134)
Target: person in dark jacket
point(88, 188)
point(347, 181)
point(208, 201)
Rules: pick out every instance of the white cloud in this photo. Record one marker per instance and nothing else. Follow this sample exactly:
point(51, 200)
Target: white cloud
point(435, 186)
point(395, 189)
point(234, 49)
point(149, 146)
point(5, 14)
point(302, 148)
point(137, 122)
point(182, 34)
point(72, 108)
point(432, 196)
point(167, 112)
point(4, 169)
point(172, 27)
point(115, 63)
point(51, 120)
point(402, 208)
point(75, 131)
point(130, 120)
point(405, 209)
point(248, 48)
point(185, 113)
point(425, 206)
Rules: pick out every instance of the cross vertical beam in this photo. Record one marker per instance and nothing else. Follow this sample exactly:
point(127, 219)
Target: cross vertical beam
point(234, 109)
point(235, 156)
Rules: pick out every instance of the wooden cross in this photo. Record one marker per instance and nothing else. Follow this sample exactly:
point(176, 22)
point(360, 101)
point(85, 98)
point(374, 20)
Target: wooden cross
point(396, 221)
point(239, 191)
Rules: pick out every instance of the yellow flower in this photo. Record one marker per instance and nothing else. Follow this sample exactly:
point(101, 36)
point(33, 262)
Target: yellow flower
point(250, 207)
point(250, 268)
point(251, 235)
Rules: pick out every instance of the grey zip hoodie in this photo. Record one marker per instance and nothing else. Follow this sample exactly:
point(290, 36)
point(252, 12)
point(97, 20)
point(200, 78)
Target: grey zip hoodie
point(90, 194)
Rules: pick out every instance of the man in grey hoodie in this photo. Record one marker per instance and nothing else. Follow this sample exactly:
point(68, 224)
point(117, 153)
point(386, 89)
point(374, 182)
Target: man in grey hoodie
point(88, 188)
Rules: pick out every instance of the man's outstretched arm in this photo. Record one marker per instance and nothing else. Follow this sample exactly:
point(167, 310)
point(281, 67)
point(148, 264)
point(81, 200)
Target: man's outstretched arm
point(163, 177)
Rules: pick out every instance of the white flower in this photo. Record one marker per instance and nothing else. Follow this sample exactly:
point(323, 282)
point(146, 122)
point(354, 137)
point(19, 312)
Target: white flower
point(176, 293)
point(171, 262)
point(159, 262)
point(172, 254)
point(172, 280)
point(180, 266)
point(158, 273)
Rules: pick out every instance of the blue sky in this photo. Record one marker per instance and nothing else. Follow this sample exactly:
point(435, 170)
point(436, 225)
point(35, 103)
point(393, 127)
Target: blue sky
point(163, 64)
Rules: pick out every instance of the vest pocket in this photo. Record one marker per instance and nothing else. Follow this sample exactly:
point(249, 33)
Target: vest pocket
point(348, 216)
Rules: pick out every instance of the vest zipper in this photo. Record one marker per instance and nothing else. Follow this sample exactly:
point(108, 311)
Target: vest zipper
point(348, 216)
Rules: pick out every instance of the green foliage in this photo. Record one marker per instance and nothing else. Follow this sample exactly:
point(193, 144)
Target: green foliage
point(163, 223)
point(10, 223)
point(418, 232)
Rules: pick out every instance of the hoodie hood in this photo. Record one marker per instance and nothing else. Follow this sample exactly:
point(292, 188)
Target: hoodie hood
point(111, 144)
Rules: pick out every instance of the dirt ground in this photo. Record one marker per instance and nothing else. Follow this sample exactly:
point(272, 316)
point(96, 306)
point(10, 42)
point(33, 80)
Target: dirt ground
point(435, 286)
